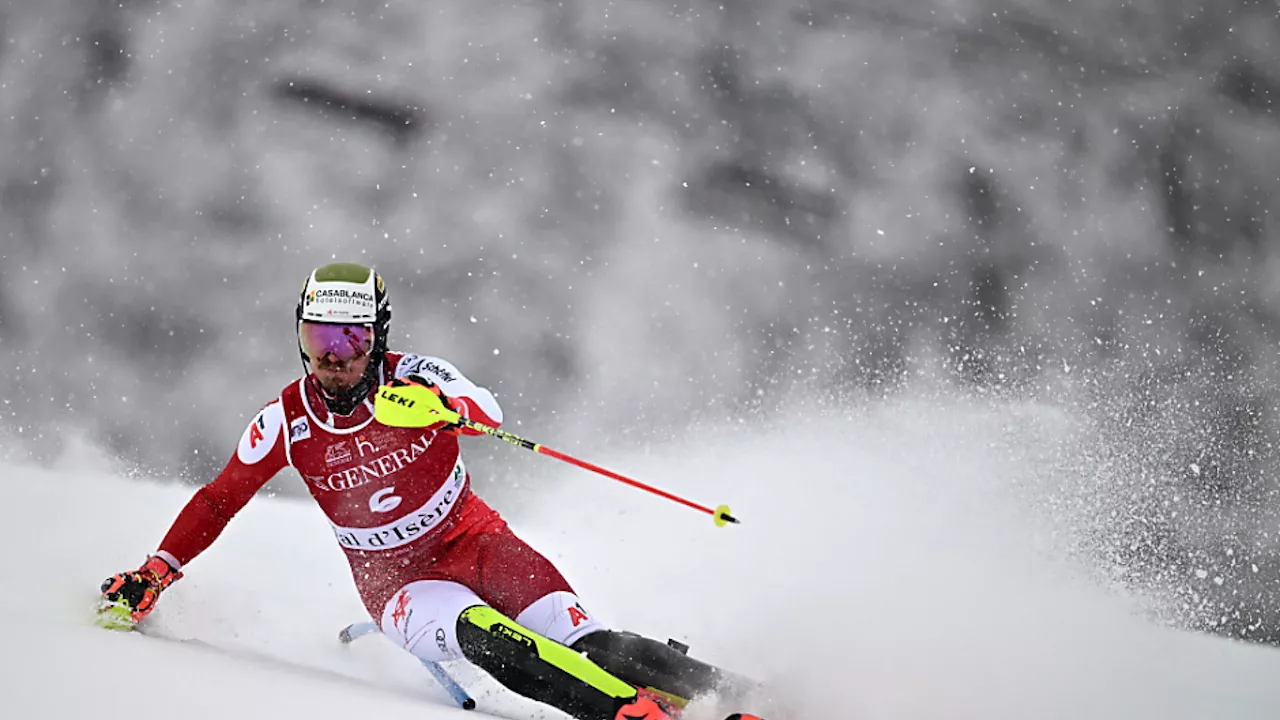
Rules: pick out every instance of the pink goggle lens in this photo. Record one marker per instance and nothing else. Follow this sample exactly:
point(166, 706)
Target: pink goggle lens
point(342, 342)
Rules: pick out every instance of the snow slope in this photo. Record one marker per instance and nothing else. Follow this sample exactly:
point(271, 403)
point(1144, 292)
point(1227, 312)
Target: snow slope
point(894, 562)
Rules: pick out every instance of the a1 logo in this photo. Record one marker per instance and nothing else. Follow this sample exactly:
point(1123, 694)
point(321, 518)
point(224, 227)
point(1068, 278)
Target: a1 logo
point(383, 500)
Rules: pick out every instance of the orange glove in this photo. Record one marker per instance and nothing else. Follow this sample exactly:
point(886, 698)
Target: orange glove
point(138, 590)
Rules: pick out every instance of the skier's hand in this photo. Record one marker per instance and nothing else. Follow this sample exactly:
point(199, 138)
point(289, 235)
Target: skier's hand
point(448, 403)
point(138, 590)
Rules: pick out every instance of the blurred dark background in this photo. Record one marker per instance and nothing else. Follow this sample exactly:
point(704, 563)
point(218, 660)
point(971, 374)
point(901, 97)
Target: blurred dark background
point(616, 214)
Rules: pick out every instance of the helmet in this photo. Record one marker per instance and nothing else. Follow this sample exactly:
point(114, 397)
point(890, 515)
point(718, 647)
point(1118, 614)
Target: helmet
point(346, 293)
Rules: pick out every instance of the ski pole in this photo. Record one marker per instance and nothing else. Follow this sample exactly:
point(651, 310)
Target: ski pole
point(442, 676)
point(416, 405)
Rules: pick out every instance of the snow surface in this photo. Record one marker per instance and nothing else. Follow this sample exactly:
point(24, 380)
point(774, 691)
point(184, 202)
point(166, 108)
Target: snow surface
point(889, 566)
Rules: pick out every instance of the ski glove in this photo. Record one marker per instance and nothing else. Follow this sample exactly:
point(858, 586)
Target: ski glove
point(453, 404)
point(137, 591)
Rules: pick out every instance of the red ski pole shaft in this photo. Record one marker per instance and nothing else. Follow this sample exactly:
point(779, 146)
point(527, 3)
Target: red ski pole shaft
point(720, 515)
point(622, 478)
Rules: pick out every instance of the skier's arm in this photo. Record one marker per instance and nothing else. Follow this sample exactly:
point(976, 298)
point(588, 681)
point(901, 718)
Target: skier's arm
point(260, 455)
point(128, 597)
point(469, 399)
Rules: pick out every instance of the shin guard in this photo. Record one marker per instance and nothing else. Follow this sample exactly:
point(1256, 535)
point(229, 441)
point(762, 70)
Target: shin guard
point(538, 668)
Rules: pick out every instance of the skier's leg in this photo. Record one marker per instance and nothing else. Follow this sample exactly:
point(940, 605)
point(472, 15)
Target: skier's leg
point(640, 661)
point(440, 620)
point(522, 583)
point(644, 663)
point(559, 615)
point(545, 670)
point(423, 618)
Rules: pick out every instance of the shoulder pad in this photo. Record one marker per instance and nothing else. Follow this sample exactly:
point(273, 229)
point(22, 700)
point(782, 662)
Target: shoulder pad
point(433, 368)
point(262, 434)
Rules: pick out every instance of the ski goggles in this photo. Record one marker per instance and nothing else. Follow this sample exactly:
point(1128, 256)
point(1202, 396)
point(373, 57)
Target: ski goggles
point(344, 343)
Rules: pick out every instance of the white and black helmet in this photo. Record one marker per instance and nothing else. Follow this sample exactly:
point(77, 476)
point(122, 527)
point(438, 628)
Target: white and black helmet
point(346, 294)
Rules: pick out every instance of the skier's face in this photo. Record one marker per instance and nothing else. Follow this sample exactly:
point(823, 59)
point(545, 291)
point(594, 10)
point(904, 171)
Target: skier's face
point(338, 354)
point(338, 376)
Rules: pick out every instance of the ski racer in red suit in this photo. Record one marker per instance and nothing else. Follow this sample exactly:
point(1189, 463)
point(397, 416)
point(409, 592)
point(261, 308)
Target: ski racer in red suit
point(440, 570)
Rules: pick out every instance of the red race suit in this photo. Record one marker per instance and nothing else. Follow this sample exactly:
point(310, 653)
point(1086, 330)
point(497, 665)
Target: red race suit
point(399, 500)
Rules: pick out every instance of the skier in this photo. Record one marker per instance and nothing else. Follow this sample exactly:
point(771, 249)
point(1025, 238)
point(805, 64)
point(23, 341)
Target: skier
point(437, 567)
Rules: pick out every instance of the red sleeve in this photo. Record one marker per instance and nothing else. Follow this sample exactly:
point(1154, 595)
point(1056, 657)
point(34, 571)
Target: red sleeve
point(213, 506)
